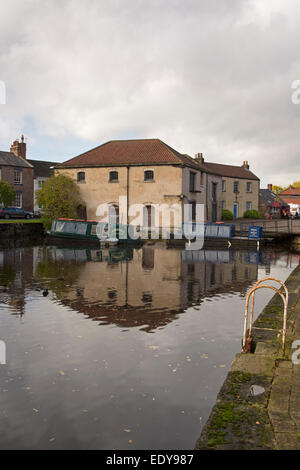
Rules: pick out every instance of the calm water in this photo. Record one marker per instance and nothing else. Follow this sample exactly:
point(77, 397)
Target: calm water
point(129, 348)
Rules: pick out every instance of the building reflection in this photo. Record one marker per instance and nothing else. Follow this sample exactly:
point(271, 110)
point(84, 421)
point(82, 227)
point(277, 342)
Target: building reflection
point(145, 287)
point(16, 271)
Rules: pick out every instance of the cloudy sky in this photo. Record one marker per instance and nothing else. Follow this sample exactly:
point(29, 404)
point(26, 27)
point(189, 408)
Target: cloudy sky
point(211, 76)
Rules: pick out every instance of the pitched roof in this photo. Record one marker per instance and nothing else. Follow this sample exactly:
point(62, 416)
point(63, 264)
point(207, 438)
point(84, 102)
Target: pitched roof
point(291, 191)
point(268, 197)
point(291, 200)
point(42, 169)
point(131, 152)
point(10, 159)
point(230, 171)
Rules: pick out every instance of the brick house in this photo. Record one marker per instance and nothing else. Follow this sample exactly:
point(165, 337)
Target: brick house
point(16, 170)
point(291, 196)
point(271, 205)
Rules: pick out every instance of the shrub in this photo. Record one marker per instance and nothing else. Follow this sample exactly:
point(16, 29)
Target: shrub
point(227, 215)
point(253, 214)
point(59, 198)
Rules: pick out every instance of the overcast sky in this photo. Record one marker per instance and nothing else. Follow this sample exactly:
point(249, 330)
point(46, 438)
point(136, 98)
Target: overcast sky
point(211, 76)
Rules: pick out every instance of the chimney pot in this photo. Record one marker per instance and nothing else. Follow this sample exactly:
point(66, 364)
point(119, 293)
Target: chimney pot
point(19, 148)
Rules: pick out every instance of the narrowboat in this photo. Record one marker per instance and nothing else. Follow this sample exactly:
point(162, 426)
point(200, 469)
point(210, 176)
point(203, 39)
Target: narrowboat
point(85, 230)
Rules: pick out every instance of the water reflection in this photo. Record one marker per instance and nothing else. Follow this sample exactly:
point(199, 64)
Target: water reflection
point(146, 287)
point(135, 340)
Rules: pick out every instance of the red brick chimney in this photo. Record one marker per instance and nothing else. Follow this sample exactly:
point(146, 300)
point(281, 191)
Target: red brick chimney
point(270, 187)
point(19, 148)
point(246, 165)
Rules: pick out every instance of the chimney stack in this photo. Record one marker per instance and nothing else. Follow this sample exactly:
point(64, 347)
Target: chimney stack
point(19, 148)
point(199, 158)
point(246, 165)
point(270, 187)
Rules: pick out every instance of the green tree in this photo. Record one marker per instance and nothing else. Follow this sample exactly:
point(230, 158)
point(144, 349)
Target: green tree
point(59, 198)
point(296, 184)
point(7, 194)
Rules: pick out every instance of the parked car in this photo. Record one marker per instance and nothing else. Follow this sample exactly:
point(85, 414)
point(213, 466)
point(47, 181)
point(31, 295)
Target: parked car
point(15, 213)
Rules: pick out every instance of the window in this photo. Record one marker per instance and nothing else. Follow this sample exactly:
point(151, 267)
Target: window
point(41, 183)
point(223, 186)
point(249, 187)
point(223, 205)
point(0, 173)
point(248, 206)
point(81, 177)
point(193, 204)
point(19, 200)
point(113, 214)
point(113, 176)
point(148, 175)
point(236, 187)
point(214, 192)
point(192, 181)
point(18, 177)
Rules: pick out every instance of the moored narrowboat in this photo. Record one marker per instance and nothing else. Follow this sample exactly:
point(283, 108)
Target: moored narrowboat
point(88, 230)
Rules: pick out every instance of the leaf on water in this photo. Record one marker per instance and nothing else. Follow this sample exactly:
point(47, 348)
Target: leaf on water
point(127, 430)
point(52, 439)
point(35, 410)
point(222, 365)
point(130, 441)
point(61, 372)
point(204, 356)
point(154, 347)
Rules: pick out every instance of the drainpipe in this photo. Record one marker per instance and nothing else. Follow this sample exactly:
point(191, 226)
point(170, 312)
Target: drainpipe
point(127, 222)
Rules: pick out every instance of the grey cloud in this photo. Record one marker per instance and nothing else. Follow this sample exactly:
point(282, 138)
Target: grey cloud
point(205, 76)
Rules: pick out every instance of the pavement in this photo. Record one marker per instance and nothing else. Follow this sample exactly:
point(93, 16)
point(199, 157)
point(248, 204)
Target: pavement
point(258, 407)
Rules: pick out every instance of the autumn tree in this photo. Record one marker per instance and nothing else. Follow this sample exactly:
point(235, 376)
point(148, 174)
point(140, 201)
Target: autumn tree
point(7, 194)
point(277, 189)
point(59, 198)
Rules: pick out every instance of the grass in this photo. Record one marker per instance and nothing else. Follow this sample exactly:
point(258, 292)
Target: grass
point(20, 221)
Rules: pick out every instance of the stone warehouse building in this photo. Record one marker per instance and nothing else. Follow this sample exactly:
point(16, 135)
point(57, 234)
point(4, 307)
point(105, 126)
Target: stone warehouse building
point(147, 172)
point(240, 187)
point(16, 170)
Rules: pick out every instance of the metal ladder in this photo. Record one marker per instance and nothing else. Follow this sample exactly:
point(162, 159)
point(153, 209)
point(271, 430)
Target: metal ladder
point(246, 342)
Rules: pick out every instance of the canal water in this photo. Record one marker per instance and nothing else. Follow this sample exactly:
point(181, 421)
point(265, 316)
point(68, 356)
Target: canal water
point(122, 348)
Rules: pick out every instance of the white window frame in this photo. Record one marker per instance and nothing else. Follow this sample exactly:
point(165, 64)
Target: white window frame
point(18, 180)
point(19, 204)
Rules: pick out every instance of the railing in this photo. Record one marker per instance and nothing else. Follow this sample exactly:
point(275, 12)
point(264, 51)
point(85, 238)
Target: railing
point(276, 226)
point(246, 344)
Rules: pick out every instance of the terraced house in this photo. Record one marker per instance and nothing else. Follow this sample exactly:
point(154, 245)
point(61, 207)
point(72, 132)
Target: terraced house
point(147, 172)
point(16, 170)
point(240, 187)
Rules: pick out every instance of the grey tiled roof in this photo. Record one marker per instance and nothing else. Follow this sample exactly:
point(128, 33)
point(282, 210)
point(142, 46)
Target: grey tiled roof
point(268, 197)
point(42, 169)
point(10, 159)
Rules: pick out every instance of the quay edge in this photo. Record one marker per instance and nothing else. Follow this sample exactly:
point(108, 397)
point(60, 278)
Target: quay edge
point(243, 420)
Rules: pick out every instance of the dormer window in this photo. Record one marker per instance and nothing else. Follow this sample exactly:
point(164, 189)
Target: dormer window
point(81, 177)
point(113, 176)
point(148, 175)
